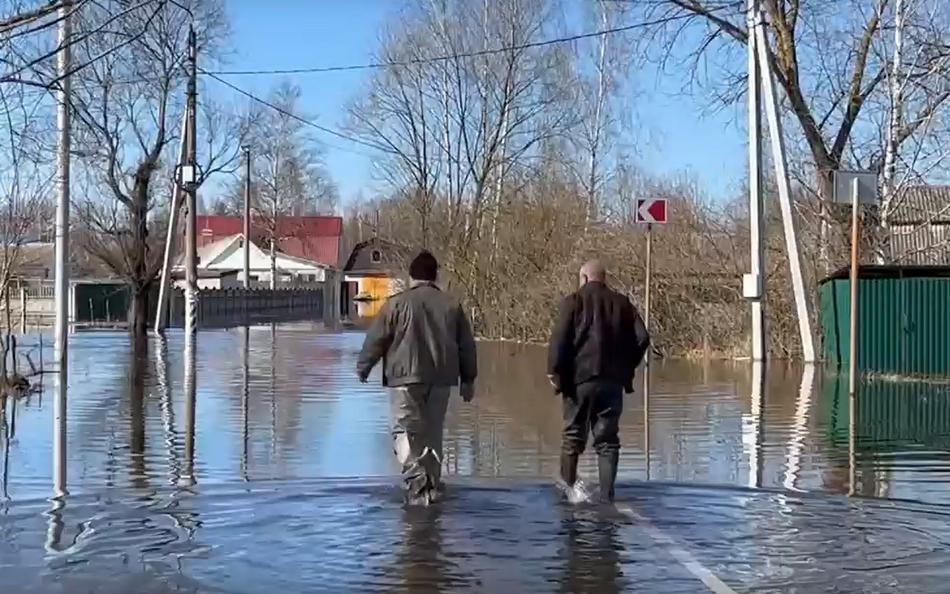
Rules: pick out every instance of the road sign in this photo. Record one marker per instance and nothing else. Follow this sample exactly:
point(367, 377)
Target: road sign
point(844, 184)
point(651, 210)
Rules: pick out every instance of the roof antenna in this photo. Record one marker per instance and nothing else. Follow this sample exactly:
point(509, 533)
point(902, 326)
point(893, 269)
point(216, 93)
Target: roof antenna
point(376, 227)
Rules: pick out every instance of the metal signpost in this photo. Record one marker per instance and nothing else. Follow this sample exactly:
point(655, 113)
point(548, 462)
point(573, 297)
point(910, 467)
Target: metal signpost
point(651, 211)
point(856, 188)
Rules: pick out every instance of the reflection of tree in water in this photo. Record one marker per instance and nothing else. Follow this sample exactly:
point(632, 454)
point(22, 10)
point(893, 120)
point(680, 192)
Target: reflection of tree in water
point(592, 556)
point(138, 471)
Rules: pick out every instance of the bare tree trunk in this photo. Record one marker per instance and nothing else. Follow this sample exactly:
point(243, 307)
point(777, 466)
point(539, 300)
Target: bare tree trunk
point(140, 281)
point(273, 264)
point(597, 123)
point(896, 117)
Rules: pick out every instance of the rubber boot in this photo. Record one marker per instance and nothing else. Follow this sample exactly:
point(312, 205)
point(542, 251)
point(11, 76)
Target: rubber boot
point(569, 469)
point(607, 470)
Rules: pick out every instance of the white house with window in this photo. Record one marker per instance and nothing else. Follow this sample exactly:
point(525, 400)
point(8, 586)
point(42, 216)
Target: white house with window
point(220, 259)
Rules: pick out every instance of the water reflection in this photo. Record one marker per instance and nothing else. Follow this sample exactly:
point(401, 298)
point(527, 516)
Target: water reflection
point(282, 403)
point(592, 551)
point(421, 560)
point(799, 431)
point(190, 383)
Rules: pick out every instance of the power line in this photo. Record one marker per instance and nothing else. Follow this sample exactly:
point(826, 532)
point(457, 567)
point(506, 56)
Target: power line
point(457, 56)
point(296, 117)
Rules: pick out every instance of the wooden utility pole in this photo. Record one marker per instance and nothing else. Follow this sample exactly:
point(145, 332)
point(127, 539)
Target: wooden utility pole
point(646, 356)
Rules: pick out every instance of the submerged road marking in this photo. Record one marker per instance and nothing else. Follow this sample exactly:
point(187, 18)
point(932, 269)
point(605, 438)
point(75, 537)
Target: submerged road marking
point(686, 559)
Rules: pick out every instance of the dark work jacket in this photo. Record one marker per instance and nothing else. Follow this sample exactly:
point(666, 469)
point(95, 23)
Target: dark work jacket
point(423, 337)
point(598, 335)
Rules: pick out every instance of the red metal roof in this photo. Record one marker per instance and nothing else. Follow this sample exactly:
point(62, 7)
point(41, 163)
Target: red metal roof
point(315, 238)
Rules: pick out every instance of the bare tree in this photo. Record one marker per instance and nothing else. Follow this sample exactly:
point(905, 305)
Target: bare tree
point(128, 102)
point(289, 176)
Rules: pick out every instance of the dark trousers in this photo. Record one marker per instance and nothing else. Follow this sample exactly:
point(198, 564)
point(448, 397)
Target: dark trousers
point(593, 407)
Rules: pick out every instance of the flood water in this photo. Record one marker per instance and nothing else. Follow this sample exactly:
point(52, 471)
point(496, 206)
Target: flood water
point(292, 483)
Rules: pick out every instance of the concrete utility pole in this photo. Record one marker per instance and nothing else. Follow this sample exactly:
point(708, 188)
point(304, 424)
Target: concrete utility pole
point(753, 286)
point(61, 289)
point(784, 190)
point(189, 179)
point(247, 217)
point(161, 314)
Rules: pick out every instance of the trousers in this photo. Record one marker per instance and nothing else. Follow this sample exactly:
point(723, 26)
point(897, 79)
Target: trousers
point(593, 407)
point(418, 417)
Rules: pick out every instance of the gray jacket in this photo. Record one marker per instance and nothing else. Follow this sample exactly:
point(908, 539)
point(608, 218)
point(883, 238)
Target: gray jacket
point(423, 337)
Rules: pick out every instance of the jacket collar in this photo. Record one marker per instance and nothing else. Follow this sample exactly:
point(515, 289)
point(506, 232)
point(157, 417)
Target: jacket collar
point(414, 284)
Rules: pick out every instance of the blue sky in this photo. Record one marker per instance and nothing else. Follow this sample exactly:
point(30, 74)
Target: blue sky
point(672, 134)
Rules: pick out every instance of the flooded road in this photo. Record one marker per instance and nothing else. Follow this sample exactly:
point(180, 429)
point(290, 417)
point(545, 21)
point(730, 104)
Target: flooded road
point(294, 481)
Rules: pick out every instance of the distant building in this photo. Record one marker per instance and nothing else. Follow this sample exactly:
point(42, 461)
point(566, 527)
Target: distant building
point(221, 266)
point(312, 238)
point(370, 276)
point(920, 226)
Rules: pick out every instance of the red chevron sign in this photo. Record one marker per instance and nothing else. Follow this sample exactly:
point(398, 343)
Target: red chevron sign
point(651, 210)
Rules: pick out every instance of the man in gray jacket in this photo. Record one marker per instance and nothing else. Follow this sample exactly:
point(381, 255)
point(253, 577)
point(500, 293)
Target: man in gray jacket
point(425, 342)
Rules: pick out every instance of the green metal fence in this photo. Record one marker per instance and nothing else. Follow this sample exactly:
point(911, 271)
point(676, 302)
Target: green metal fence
point(903, 320)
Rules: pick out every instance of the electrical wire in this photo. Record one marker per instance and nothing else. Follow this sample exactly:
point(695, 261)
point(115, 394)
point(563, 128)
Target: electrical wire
point(456, 56)
point(296, 117)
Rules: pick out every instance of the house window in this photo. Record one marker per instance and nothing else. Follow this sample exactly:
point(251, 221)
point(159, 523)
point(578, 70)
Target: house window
point(376, 256)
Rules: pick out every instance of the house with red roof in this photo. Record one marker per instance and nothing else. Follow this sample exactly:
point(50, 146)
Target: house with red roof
point(313, 238)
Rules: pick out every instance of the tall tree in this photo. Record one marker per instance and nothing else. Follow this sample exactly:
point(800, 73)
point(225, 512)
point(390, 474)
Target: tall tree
point(289, 177)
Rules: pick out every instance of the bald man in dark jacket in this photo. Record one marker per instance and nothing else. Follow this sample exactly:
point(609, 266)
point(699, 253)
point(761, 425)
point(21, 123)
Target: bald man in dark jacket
point(597, 343)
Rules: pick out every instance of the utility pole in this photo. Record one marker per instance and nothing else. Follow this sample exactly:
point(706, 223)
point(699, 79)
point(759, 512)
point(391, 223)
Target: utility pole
point(189, 179)
point(161, 313)
point(779, 160)
point(247, 217)
point(61, 289)
point(753, 286)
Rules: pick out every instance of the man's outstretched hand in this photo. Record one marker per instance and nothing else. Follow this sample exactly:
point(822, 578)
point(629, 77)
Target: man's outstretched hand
point(467, 391)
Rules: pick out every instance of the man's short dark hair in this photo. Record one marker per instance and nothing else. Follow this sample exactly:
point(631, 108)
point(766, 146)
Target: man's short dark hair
point(424, 267)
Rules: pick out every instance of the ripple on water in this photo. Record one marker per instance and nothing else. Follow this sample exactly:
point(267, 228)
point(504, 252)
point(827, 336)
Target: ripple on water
point(279, 410)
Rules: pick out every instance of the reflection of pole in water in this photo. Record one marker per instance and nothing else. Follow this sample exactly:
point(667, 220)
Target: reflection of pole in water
point(55, 526)
point(167, 408)
point(59, 434)
point(245, 364)
point(793, 459)
point(188, 476)
point(852, 442)
point(753, 426)
point(6, 445)
point(273, 388)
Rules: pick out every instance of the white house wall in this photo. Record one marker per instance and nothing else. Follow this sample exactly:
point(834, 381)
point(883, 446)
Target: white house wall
point(232, 258)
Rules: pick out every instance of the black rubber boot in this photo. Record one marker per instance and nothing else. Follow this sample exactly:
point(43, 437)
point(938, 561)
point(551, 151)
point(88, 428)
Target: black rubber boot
point(607, 470)
point(569, 469)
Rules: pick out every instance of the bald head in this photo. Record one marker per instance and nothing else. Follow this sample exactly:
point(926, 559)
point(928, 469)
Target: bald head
point(593, 272)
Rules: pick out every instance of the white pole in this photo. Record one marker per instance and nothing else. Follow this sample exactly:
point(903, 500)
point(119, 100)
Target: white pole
point(785, 195)
point(61, 288)
point(163, 289)
point(756, 255)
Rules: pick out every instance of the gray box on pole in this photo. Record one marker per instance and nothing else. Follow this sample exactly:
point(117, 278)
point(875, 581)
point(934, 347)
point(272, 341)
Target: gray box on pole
point(867, 186)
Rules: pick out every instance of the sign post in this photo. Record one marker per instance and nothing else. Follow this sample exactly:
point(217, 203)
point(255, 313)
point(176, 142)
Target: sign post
point(650, 211)
point(856, 187)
